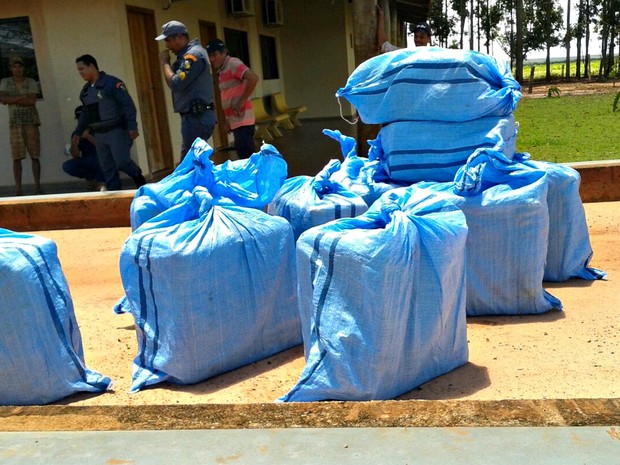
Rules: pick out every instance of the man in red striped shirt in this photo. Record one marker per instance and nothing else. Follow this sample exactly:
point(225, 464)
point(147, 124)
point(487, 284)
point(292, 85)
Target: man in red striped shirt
point(237, 82)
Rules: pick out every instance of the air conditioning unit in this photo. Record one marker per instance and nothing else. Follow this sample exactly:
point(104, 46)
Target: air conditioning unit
point(273, 13)
point(240, 8)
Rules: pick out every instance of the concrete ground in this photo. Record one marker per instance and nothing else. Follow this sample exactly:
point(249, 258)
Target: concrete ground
point(314, 446)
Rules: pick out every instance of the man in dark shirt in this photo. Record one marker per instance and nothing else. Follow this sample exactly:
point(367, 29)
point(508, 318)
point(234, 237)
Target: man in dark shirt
point(110, 116)
point(189, 78)
point(84, 162)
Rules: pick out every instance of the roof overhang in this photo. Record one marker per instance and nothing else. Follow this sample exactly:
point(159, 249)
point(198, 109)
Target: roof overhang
point(412, 11)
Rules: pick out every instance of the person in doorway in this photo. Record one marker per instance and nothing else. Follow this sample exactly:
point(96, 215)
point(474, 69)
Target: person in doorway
point(84, 162)
point(421, 34)
point(237, 83)
point(20, 94)
point(189, 79)
point(110, 116)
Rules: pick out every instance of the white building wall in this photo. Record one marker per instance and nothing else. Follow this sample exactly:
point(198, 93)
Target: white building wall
point(315, 59)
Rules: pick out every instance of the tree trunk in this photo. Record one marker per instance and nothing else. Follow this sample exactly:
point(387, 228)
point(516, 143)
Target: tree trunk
point(519, 45)
point(471, 24)
point(567, 40)
point(365, 47)
point(586, 72)
point(579, 37)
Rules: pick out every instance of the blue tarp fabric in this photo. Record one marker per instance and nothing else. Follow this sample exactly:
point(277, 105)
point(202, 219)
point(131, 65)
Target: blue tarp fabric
point(431, 84)
point(41, 354)
point(196, 169)
point(211, 287)
point(382, 299)
point(364, 177)
point(505, 204)
point(307, 201)
point(416, 151)
point(250, 182)
point(569, 251)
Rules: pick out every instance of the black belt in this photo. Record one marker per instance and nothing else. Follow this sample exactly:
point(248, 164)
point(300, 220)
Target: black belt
point(203, 106)
point(104, 128)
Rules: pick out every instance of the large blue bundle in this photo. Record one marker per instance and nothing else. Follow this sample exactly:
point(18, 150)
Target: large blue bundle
point(196, 169)
point(248, 182)
point(505, 204)
point(382, 299)
point(362, 176)
point(569, 251)
point(211, 287)
point(416, 151)
point(430, 83)
point(307, 201)
point(41, 355)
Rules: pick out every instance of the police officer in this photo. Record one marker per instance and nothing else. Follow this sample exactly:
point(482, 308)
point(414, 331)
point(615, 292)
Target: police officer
point(189, 78)
point(110, 116)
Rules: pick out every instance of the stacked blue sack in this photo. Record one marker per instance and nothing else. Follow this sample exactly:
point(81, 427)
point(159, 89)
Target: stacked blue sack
point(569, 250)
point(211, 286)
point(382, 299)
point(248, 182)
point(41, 354)
point(437, 106)
point(505, 204)
point(434, 150)
point(307, 201)
point(431, 83)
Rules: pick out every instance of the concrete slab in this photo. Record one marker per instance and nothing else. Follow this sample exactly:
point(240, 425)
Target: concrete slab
point(343, 446)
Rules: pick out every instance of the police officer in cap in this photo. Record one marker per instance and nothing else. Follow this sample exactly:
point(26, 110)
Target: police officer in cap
point(109, 114)
point(189, 78)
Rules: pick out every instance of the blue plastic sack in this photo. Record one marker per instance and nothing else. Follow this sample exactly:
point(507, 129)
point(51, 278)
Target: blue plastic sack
point(360, 175)
point(250, 182)
point(196, 169)
point(382, 299)
point(431, 83)
point(211, 287)
point(569, 251)
point(41, 354)
point(416, 151)
point(505, 204)
point(307, 201)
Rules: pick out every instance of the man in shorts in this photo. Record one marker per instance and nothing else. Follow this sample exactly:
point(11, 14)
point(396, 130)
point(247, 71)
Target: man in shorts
point(20, 94)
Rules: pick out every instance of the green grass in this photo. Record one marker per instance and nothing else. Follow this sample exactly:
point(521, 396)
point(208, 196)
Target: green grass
point(557, 67)
point(569, 128)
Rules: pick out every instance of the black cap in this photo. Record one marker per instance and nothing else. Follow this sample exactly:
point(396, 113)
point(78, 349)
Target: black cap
point(216, 45)
point(423, 27)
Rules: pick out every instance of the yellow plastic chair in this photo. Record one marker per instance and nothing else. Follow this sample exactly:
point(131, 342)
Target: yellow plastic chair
point(266, 124)
point(279, 105)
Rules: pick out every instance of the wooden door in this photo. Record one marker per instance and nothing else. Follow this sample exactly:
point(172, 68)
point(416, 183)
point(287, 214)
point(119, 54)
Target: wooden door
point(151, 96)
point(208, 33)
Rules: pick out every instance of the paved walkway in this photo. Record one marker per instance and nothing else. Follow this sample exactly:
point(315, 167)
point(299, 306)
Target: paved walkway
point(343, 446)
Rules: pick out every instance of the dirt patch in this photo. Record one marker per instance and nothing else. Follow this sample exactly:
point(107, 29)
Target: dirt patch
point(569, 354)
point(583, 87)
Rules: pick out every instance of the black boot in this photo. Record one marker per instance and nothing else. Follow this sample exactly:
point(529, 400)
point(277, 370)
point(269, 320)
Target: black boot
point(139, 181)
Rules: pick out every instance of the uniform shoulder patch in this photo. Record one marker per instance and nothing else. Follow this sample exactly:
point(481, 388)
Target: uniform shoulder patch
point(121, 85)
point(182, 75)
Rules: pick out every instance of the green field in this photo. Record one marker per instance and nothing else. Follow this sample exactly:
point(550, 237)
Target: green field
point(569, 128)
point(557, 70)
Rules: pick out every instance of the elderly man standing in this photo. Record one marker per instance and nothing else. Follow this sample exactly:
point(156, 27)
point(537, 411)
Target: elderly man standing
point(189, 78)
point(20, 94)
